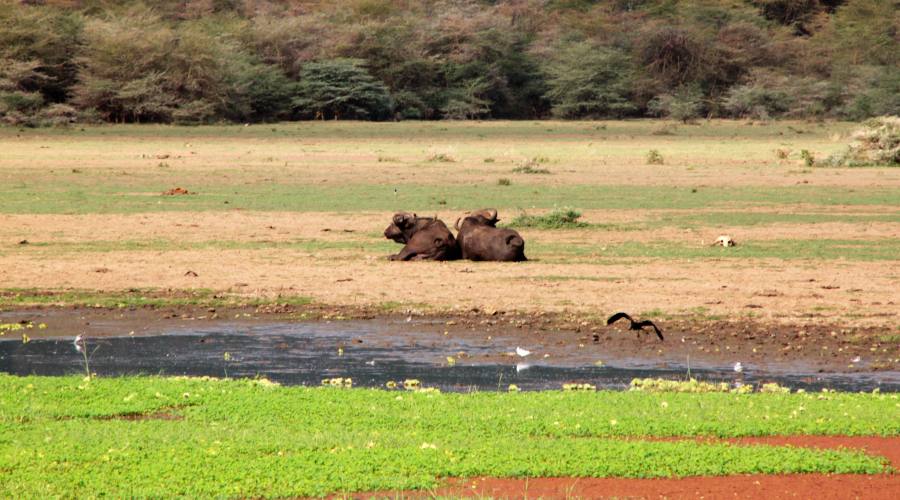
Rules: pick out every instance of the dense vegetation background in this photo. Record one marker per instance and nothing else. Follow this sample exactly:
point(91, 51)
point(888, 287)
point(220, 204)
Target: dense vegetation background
point(192, 61)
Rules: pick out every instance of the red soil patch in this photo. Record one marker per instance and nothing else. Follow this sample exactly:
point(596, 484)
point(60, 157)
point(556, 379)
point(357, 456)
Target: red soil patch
point(818, 486)
point(757, 486)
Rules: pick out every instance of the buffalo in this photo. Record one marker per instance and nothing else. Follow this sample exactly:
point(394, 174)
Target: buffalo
point(479, 238)
point(424, 238)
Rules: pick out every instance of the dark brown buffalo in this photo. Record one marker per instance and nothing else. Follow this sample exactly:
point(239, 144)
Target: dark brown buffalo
point(424, 238)
point(479, 238)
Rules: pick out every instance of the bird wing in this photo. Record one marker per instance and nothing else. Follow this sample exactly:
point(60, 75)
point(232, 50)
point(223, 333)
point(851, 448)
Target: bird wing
point(658, 333)
point(649, 323)
point(617, 316)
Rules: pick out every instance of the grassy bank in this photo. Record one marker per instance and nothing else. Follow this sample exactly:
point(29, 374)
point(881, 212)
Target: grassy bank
point(122, 436)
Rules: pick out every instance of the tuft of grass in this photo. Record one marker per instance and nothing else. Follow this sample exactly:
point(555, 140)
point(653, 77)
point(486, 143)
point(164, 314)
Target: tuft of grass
point(531, 166)
point(115, 437)
point(440, 158)
point(808, 158)
point(503, 181)
point(557, 219)
point(654, 157)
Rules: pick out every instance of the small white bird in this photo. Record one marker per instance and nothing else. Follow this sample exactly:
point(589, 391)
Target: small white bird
point(738, 367)
point(522, 352)
point(79, 341)
point(856, 359)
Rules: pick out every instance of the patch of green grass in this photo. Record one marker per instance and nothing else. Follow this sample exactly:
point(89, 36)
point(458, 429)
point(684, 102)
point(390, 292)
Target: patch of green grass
point(557, 219)
point(245, 438)
point(889, 338)
point(743, 218)
point(101, 195)
point(13, 297)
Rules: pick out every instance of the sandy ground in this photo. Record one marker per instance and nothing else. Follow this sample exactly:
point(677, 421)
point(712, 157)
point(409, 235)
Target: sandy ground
point(91, 252)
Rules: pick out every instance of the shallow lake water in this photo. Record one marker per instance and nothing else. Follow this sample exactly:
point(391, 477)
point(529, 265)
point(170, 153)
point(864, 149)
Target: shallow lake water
point(366, 351)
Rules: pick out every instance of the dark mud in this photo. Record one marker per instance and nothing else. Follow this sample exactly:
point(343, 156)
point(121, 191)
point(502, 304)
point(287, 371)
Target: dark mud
point(458, 353)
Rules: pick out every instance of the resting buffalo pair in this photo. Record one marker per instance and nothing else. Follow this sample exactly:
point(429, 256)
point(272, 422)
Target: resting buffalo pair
point(478, 238)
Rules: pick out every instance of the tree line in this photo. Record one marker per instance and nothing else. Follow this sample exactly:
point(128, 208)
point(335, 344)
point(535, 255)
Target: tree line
point(198, 61)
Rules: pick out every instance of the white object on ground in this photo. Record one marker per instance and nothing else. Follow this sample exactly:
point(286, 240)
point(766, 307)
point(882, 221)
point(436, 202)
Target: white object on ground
point(738, 367)
point(522, 352)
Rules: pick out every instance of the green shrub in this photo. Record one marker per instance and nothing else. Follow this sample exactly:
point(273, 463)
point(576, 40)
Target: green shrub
point(530, 166)
point(557, 219)
point(756, 101)
point(876, 143)
point(685, 104)
point(808, 158)
point(654, 157)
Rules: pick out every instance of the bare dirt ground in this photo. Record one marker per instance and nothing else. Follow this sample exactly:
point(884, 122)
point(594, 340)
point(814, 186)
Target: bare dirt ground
point(329, 257)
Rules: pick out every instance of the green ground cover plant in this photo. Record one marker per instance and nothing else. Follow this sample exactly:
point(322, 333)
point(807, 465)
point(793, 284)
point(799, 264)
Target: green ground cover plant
point(64, 197)
point(207, 437)
point(557, 219)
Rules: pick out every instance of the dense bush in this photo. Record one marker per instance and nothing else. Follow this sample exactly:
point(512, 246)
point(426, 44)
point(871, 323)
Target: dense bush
point(340, 88)
point(589, 82)
point(876, 143)
point(258, 60)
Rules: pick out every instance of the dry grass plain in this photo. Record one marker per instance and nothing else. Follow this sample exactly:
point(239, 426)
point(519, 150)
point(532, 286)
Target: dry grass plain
point(298, 209)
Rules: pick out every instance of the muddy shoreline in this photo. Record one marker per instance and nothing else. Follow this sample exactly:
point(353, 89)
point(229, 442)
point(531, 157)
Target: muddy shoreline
point(565, 339)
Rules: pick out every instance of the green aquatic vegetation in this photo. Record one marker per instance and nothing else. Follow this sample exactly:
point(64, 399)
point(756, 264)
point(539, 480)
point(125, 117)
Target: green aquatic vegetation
point(67, 436)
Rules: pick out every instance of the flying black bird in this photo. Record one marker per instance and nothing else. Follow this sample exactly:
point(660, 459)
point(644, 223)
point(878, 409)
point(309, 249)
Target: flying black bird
point(635, 325)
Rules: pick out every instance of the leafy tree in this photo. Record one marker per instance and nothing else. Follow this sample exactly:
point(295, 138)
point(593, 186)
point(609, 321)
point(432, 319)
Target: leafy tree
point(684, 104)
point(258, 92)
point(341, 88)
point(47, 39)
point(589, 82)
